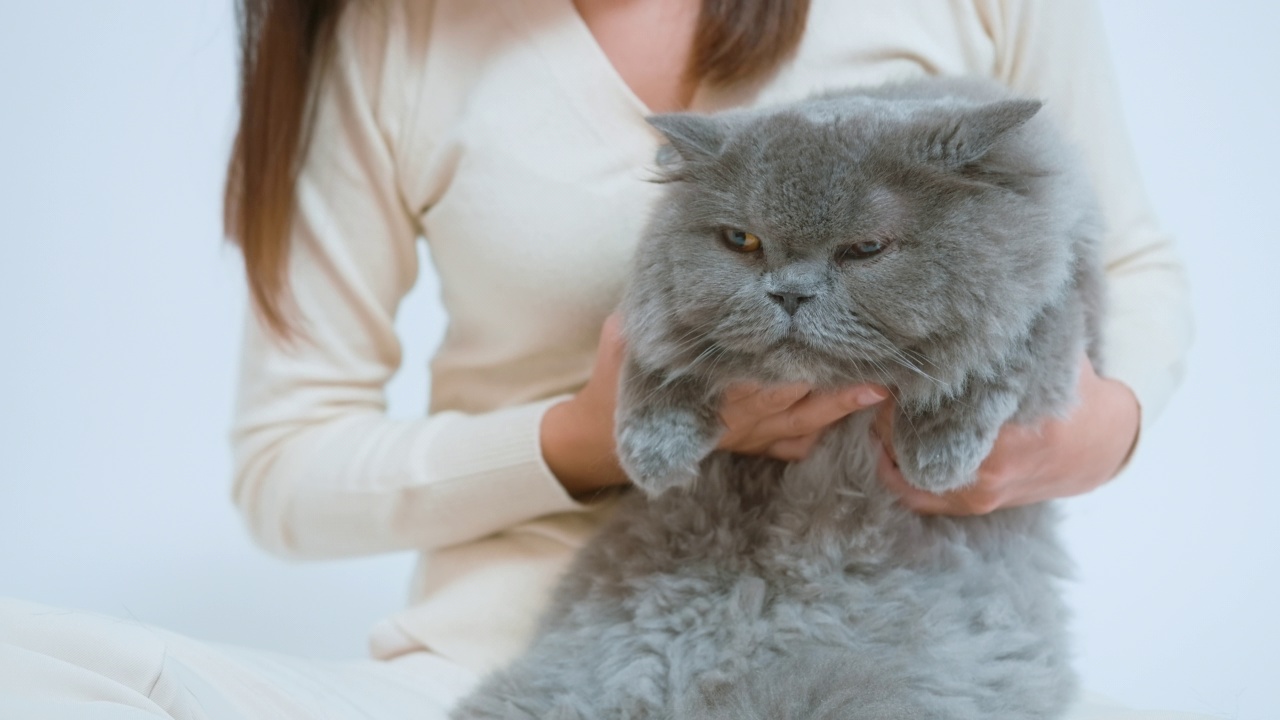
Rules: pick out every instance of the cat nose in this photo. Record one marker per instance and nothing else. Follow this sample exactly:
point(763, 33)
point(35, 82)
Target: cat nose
point(789, 301)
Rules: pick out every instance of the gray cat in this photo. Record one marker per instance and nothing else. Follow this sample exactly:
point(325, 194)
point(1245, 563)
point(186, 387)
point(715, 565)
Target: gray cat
point(935, 237)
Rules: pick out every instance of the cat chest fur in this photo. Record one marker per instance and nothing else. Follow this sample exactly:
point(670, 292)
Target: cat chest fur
point(937, 237)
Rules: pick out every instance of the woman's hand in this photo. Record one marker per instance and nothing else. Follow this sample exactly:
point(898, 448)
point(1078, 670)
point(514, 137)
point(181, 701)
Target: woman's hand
point(1028, 464)
point(577, 434)
point(786, 421)
point(783, 422)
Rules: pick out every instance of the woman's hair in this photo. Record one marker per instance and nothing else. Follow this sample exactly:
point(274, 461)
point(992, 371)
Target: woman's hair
point(284, 46)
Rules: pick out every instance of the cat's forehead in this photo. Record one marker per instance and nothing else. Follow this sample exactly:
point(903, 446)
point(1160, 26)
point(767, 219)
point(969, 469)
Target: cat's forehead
point(818, 157)
point(792, 158)
point(778, 140)
point(811, 176)
point(843, 125)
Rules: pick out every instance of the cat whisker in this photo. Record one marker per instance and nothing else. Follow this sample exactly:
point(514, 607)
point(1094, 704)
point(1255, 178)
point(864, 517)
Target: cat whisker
point(918, 356)
point(690, 339)
point(897, 398)
point(904, 361)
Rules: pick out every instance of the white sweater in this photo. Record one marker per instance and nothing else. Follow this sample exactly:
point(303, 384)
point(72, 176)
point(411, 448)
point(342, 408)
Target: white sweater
point(498, 130)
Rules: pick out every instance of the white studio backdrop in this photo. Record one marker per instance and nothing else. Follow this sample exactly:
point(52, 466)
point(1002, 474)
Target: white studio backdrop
point(120, 315)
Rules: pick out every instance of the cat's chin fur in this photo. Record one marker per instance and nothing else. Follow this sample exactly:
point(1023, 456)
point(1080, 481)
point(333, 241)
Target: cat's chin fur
point(736, 587)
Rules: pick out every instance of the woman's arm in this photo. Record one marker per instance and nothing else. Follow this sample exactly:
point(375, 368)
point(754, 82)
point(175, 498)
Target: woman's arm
point(1057, 51)
point(319, 468)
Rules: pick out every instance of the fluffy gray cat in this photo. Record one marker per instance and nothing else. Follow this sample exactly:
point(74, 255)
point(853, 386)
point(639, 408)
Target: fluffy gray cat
point(935, 237)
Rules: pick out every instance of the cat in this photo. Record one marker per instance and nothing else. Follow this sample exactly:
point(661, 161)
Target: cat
point(937, 237)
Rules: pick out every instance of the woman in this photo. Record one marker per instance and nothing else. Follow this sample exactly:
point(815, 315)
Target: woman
point(512, 136)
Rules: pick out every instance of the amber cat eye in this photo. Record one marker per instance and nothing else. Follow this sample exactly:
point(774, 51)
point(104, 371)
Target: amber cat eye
point(739, 240)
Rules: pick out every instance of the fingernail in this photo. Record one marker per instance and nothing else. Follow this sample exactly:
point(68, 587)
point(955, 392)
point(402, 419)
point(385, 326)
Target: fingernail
point(869, 395)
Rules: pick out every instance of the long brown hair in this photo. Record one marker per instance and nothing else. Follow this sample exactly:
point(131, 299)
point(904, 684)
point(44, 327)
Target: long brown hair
point(284, 45)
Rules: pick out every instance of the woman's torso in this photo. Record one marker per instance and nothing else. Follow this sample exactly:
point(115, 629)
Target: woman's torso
point(526, 158)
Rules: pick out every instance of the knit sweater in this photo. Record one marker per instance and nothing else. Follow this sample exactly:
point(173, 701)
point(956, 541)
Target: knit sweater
point(498, 131)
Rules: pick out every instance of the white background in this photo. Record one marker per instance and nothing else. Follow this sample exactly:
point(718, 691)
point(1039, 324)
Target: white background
point(120, 313)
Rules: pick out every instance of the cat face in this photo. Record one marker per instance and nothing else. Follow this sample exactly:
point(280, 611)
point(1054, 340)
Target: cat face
point(851, 228)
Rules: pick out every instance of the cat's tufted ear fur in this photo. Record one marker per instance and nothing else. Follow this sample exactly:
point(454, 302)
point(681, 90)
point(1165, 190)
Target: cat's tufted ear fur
point(690, 138)
point(963, 138)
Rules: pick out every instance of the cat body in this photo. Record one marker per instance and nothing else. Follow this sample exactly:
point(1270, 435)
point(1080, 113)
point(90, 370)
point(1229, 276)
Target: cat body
point(934, 237)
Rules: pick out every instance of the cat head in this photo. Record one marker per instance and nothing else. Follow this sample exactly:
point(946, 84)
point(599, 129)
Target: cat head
point(876, 230)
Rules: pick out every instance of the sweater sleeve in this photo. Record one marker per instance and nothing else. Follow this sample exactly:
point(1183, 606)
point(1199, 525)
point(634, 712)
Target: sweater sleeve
point(319, 468)
point(1056, 50)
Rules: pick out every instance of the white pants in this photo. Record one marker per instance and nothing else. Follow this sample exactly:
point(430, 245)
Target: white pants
point(72, 665)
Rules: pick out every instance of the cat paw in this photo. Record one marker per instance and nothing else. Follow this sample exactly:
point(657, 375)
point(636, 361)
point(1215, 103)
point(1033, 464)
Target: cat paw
point(940, 466)
point(662, 452)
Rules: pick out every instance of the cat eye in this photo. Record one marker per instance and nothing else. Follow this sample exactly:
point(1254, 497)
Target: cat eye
point(739, 240)
point(862, 250)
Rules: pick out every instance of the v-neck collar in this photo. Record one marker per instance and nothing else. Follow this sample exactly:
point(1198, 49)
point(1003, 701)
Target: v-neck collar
point(589, 78)
point(594, 56)
point(578, 62)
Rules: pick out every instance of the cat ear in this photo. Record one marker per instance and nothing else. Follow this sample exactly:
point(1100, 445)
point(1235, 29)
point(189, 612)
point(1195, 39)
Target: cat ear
point(690, 138)
point(969, 135)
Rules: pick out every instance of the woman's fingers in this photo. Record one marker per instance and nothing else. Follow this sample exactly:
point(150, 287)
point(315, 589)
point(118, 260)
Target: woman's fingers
point(745, 406)
point(773, 400)
point(882, 430)
point(817, 411)
point(786, 421)
point(793, 449)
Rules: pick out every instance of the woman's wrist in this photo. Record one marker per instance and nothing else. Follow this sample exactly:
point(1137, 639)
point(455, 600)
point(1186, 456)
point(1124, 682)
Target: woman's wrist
point(578, 448)
point(1126, 411)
